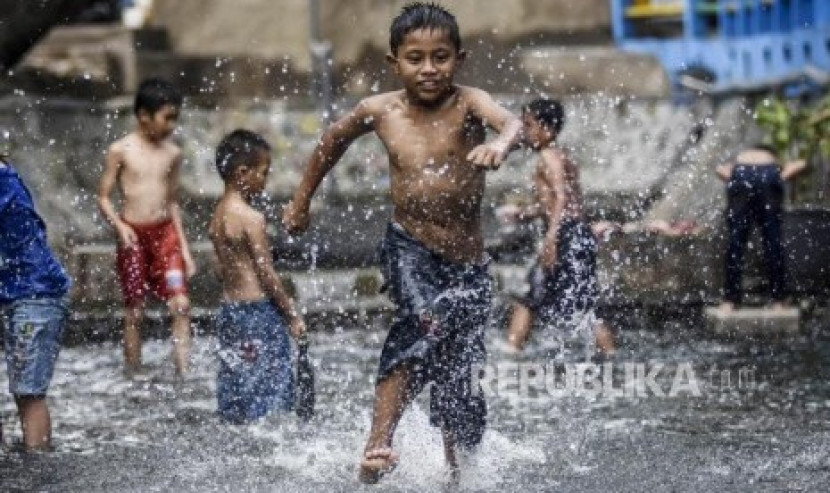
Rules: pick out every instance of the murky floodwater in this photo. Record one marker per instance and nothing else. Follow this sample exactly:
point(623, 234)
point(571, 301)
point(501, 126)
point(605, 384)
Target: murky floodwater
point(757, 420)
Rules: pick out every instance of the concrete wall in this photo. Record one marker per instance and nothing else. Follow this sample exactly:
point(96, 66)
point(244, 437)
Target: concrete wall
point(276, 29)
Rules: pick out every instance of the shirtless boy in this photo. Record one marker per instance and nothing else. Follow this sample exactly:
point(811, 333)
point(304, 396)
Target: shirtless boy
point(433, 258)
point(563, 284)
point(255, 373)
point(755, 194)
point(152, 250)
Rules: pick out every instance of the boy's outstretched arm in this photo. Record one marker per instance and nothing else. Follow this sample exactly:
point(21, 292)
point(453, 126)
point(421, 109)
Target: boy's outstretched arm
point(491, 154)
point(331, 146)
point(552, 200)
point(112, 165)
point(268, 278)
point(175, 215)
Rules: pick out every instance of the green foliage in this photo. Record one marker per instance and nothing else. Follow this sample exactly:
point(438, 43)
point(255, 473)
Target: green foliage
point(798, 132)
point(795, 132)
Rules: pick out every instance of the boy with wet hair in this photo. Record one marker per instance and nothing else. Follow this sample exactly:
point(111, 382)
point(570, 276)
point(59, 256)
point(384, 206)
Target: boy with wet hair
point(33, 307)
point(563, 283)
point(152, 253)
point(255, 373)
point(432, 255)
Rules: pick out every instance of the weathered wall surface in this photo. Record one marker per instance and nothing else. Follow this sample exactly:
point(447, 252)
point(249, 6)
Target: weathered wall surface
point(276, 29)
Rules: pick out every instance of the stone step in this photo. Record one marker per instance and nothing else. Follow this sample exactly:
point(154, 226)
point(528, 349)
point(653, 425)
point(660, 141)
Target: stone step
point(753, 321)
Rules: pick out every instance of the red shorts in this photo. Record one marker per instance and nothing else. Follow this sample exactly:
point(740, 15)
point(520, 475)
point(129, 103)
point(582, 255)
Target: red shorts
point(154, 263)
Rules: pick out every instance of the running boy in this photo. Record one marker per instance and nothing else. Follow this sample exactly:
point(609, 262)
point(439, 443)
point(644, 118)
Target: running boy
point(255, 373)
point(563, 284)
point(432, 254)
point(152, 250)
point(33, 307)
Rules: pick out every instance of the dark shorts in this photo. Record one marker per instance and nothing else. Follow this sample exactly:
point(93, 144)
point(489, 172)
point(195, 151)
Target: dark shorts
point(255, 369)
point(438, 329)
point(567, 294)
point(32, 334)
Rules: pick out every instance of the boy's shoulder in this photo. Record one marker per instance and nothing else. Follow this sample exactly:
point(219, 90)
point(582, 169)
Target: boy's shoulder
point(553, 156)
point(240, 211)
point(380, 103)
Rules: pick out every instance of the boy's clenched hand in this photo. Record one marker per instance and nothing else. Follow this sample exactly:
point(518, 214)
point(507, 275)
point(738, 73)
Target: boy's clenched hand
point(295, 217)
point(489, 155)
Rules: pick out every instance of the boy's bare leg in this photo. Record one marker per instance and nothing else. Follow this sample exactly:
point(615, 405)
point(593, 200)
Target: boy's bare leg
point(132, 339)
point(35, 422)
point(605, 340)
point(451, 454)
point(180, 310)
point(519, 329)
point(391, 398)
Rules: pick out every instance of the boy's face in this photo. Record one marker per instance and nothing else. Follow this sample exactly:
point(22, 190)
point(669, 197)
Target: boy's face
point(426, 62)
point(162, 123)
point(256, 175)
point(534, 133)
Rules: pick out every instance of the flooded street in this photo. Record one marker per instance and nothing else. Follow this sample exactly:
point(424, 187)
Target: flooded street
point(758, 422)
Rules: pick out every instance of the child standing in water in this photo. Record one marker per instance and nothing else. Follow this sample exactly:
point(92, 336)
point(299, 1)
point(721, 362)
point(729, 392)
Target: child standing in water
point(33, 307)
point(255, 373)
point(152, 251)
point(755, 192)
point(563, 283)
point(432, 254)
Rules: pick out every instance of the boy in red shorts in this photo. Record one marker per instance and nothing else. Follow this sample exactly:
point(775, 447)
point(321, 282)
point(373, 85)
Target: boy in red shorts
point(152, 250)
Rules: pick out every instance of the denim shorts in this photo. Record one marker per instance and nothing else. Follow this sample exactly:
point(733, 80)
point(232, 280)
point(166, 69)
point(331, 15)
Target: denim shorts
point(32, 332)
point(255, 368)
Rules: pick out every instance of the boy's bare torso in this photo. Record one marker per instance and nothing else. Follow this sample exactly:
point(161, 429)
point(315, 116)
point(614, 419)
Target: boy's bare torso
point(145, 176)
point(436, 193)
point(228, 232)
point(543, 184)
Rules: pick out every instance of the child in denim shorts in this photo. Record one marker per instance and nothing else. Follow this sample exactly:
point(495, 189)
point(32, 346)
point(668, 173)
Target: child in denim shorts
point(33, 308)
point(255, 368)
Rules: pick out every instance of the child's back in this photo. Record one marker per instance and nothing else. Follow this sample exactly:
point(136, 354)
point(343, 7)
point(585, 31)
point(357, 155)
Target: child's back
point(255, 373)
point(233, 220)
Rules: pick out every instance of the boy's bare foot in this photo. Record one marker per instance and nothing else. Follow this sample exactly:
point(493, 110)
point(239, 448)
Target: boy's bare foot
point(779, 306)
point(726, 307)
point(136, 372)
point(377, 463)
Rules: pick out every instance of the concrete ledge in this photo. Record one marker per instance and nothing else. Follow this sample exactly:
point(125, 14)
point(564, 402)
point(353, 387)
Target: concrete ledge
point(753, 321)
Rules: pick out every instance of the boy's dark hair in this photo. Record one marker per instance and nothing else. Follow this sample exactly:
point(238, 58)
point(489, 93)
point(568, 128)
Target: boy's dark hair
point(420, 15)
point(549, 112)
point(154, 93)
point(239, 148)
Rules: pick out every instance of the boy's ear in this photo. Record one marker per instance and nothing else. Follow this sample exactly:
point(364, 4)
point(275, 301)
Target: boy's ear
point(392, 61)
point(461, 56)
point(143, 114)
